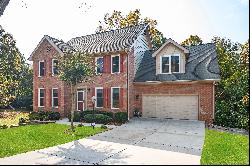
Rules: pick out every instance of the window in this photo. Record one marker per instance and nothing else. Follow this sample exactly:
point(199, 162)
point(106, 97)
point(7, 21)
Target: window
point(54, 97)
point(99, 65)
point(41, 94)
point(54, 67)
point(41, 68)
point(170, 64)
point(115, 64)
point(115, 92)
point(99, 97)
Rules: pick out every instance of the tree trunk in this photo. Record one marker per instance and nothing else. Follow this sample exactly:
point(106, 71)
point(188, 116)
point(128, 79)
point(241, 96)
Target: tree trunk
point(72, 106)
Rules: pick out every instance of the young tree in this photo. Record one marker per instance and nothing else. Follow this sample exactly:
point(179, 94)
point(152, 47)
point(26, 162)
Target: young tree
point(193, 40)
point(75, 68)
point(11, 67)
point(116, 20)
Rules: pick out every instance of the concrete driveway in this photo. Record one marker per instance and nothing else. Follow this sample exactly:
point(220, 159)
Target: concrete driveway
point(141, 141)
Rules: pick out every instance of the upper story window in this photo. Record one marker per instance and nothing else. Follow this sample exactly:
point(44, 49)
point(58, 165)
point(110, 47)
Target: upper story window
point(170, 64)
point(54, 67)
point(54, 97)
point(41, 95)
point(41, 68)
point(99, 65)
point(99, 97)
point(115, 64)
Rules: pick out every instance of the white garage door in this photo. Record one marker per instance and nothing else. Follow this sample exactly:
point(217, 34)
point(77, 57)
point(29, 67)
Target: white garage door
point(170, 106)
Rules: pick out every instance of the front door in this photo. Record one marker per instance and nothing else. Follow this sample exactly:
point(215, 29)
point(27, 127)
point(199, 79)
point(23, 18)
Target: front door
point(80, 100)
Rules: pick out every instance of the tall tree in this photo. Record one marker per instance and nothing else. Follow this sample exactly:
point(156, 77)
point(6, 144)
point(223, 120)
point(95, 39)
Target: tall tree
point(232, 91)
point(75, 68)
point(11, 67)
point(116, 20)
point(193, 40)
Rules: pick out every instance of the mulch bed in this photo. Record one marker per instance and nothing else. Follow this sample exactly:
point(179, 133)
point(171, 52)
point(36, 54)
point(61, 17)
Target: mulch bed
point(228, 129)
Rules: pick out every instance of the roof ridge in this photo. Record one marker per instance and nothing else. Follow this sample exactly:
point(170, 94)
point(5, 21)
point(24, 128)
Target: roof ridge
point(143, 24)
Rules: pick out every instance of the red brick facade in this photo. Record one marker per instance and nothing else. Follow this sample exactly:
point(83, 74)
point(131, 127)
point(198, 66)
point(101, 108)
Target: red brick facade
point(107, 80)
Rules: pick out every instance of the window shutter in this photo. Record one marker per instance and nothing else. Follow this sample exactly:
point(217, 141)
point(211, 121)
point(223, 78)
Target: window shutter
point(108, 97)
point(121, 98)
point(45, 67)
point(121, 63)
point(36, 98)
point(44, 102)
point(36, 67)
point(50, 97)
point(93, 92)
point(59, 97)
point(108, 64)
point(104, 97)
point(50, 67)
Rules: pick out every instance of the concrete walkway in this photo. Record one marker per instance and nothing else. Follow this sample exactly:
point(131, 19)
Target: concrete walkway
point(141, 141)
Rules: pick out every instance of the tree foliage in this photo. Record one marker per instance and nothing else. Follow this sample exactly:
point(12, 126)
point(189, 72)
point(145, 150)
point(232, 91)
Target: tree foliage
point(116, 20)
point(11, 68)
point(232, 96)
point(75, 68)
point(193, 40)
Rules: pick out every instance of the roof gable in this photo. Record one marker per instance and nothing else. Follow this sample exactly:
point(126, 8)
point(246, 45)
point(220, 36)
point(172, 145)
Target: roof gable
point(174, 43)
point(48, 38)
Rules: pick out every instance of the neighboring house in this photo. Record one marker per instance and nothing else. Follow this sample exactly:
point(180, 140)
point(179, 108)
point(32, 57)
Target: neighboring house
point(172, 82)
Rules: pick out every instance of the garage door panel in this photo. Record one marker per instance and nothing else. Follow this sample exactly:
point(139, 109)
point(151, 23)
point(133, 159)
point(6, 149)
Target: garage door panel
point(171, 106)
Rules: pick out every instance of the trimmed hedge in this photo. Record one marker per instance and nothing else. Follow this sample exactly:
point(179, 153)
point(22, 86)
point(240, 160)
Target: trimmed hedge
point(120, 117)
point(43, 115)
point(97, 118)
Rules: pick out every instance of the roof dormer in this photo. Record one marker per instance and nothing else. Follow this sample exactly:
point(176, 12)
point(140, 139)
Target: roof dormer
point(170, 58)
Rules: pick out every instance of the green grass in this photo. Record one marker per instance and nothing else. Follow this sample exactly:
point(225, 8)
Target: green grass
point(28, 138)
point(222, 148)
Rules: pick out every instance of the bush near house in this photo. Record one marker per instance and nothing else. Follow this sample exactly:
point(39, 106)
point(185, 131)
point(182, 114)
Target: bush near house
point(43, 115)
point(120, 117)
point(97, 118)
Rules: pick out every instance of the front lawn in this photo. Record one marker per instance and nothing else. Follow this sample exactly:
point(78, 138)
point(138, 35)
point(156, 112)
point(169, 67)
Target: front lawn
point(28, 138)
point(222, 148)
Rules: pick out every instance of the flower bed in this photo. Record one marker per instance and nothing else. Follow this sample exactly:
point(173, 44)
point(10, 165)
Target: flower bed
point(11, 118)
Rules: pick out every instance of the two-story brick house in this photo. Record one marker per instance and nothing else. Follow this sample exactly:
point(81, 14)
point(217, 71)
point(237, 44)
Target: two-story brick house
point(171, 82)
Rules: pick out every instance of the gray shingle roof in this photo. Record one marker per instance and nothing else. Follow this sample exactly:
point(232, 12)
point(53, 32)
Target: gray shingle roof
point(64, 47)
point(201, 64)
point(110, 41)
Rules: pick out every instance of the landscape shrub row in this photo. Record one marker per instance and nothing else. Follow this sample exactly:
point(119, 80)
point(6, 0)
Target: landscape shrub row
point(44, 116)
point(102, 117)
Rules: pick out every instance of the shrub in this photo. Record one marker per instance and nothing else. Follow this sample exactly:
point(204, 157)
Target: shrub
point(4, 126)
point(120, 117)
point(54, 115)
point(34, 116)
point(97, 118)
point(77, 116)
point(110, 114)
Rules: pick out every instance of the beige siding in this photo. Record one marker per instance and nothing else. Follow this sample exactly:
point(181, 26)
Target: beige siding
point(168, 50)
point(171, 106)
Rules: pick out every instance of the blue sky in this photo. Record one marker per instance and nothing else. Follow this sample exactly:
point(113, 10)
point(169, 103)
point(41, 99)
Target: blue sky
point(177, 19)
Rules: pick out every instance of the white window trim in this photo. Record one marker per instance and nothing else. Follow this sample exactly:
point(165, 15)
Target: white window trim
point(96, 96)
point(77, 98)
point(96, 58)
point(111, 65)
point(169, 56)
point(39, 74)
point(52, 67)
point(39, 89)
point(52, 97)
point(112, 96)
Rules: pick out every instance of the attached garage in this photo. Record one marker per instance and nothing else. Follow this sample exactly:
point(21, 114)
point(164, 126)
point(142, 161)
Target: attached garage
point(170, 106)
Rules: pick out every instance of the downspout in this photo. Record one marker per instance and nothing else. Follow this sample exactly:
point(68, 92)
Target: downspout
point(213, 99)
point(127, 85)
